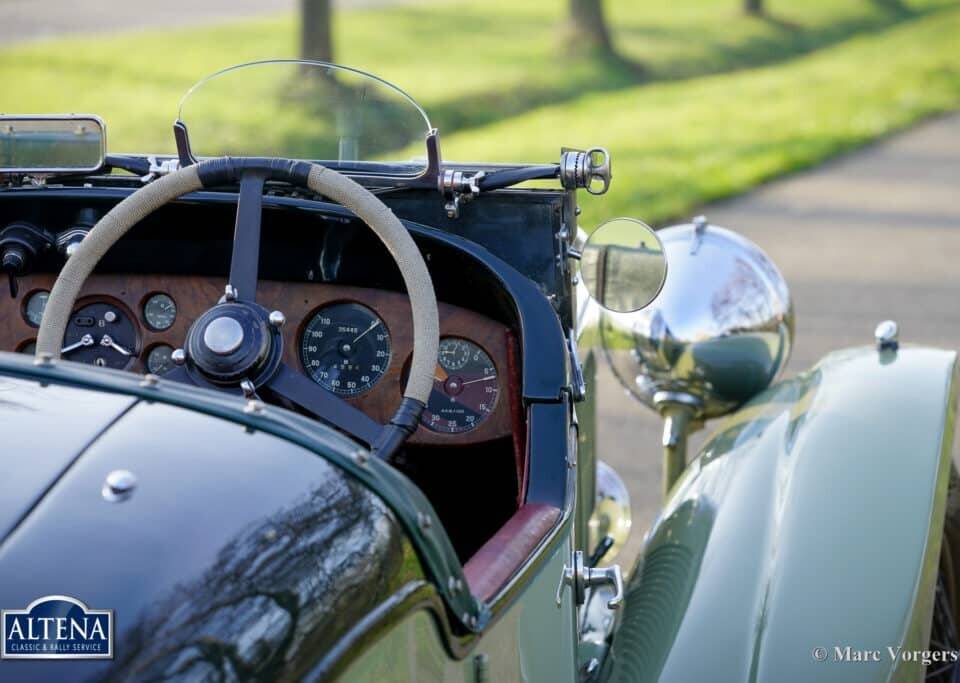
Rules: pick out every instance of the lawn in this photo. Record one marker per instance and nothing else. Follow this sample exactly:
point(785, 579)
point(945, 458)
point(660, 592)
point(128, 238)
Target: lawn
point(711, 104)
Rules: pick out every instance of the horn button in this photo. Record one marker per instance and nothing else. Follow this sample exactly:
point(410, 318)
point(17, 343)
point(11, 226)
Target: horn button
point(234, 341)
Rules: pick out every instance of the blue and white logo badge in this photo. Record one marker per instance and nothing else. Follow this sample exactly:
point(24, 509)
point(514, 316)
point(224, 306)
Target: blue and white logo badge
point(57, 627)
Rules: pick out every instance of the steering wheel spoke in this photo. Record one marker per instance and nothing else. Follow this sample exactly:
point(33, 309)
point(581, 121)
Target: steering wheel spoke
point(245, 260)
point(289, 384)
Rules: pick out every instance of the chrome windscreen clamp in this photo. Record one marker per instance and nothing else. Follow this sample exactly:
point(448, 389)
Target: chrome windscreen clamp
point(159, 168)
point(458, 188)
point(589, 170)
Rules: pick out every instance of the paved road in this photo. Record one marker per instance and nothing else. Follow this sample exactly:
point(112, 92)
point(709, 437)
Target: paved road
point(26, 20)
point(874, 235)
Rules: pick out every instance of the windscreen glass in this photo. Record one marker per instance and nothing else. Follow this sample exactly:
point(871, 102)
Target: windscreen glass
point(306, 110)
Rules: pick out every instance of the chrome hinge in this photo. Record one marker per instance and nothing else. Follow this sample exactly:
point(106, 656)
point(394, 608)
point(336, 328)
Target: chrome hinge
point(580, 577)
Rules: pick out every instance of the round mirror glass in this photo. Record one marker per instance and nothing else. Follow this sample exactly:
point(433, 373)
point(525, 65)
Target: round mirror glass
point(623, 265)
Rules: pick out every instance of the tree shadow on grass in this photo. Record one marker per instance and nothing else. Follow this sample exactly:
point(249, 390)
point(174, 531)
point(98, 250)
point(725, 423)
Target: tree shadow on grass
point(599, 74)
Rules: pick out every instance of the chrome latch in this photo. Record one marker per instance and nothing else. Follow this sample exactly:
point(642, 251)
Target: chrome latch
point(580, 577)
point(588, 170)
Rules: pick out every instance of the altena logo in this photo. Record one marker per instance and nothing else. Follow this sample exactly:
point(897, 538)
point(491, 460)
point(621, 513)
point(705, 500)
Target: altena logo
point(57, 627)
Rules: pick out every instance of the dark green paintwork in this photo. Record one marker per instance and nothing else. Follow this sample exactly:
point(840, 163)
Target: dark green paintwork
point(403, 497)
point(812, 518)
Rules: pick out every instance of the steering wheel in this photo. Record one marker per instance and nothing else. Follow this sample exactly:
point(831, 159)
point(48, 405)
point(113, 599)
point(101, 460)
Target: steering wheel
point(236, 344)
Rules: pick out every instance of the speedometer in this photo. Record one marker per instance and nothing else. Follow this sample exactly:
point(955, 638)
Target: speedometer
point(345, 348)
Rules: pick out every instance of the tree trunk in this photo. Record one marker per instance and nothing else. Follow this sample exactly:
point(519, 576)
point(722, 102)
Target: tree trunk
point(316, 34)
point(753, 6)
point(588, 26)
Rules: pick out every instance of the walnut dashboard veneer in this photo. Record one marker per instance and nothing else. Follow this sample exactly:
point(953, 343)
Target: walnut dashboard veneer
point(298, 301)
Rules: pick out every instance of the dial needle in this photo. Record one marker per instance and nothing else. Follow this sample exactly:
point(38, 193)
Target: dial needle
point(481, 379)
point(375, 323)
point(107, 340)
point(85, 340)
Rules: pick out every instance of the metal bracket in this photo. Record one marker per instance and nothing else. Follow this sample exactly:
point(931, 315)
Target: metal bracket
point(160, 168)
point(458, 188)
point(579, 384)
point(588, 170)
point(580, 577)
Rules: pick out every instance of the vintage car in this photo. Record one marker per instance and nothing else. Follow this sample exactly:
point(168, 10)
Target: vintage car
point(281, 407)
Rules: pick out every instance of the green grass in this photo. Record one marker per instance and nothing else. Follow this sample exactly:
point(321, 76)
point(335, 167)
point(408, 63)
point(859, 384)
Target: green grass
point(720, 101)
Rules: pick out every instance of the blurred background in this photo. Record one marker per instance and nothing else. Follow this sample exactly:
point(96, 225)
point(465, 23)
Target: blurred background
point(838, 112)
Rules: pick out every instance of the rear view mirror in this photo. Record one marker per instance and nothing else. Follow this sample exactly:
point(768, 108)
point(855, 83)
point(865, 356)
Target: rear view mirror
point(623, 265)
point(38, 145)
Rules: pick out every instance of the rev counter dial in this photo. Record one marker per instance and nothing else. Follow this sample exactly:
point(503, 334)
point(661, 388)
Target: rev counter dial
point(465, 388)
point(345, 348)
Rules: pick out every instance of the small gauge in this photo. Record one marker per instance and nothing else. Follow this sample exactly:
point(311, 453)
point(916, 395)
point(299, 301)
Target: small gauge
point(454, 354)
point(465, 388)
point(345, 348)
point(36, 303)
point(160, 359)
point(160, 311)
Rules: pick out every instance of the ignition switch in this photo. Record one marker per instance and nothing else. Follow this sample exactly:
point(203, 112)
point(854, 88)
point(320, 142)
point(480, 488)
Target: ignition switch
point(19, 245)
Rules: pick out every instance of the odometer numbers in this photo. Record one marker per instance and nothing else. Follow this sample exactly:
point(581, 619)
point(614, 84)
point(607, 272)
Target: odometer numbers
point(345, 348)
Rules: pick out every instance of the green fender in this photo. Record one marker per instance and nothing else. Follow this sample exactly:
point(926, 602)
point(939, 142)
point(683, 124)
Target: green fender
point(811, 519)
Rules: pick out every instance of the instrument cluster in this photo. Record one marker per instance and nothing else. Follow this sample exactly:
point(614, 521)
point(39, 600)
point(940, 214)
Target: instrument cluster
point(346, 349)
point(352, 342)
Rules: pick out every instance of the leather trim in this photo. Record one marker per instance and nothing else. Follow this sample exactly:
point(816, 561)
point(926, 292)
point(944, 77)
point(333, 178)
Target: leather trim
point(503, 555)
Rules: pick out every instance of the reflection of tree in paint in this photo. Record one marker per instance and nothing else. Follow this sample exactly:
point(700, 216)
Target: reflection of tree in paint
point(286, 587)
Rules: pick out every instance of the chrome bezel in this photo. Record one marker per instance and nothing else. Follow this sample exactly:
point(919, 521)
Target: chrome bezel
point(79, 170)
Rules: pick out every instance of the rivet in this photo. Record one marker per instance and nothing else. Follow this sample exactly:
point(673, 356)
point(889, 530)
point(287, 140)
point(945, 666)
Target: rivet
point(45, 358)
point(424, 520)
point(254, 407)
point(118, 486)
point(150, 380)
point(361, 457)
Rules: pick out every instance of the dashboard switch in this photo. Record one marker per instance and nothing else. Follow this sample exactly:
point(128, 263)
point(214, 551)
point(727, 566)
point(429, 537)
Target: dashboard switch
point(19, 245)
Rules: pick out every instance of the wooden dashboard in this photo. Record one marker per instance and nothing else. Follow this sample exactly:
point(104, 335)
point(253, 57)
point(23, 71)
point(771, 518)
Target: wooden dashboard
point(298, 301)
